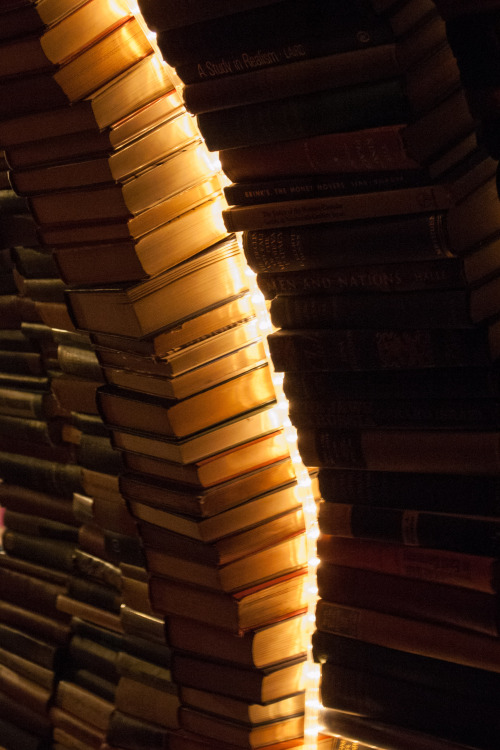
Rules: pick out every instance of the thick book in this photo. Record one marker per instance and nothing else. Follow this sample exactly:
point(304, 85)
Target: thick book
point(414, 636)
point(406, 704)
point(459, 569)
point(57, 554)
point(203, 444)
point(248, 609)
point(140, 309)
point(471, 494)
point(79, 701)
point(243, 712)
point(258, 685)
point(119, 407)
point(196, 226)
point(424, 236)
point(34, 623)
point(259, 648)
point(156, 497)
point(221, 467)
point(444, 451)
point(363, 106)
point(251, 512)
point(222, 730)
point(23, 499)
point(81, 27)
point(208, 375)
point(417, 599)
point(168, 15)
point(129, 195)
point(148, 702)
point(476, 535)
point(79, 77)
point(270, 35)
point(109, 106)
point(146, 150)
point(354, 207)
point(261, 566)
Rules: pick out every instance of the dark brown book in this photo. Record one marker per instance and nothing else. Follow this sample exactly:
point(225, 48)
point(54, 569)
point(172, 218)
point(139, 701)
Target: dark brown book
point(19, 588)
point(55, 553)
point(148, 702)
point(477, 572)
point(259, 648)
point(43, 653)
point(249, 609)
point(141, 306)
point(127, 409)
point(243, 712)
point(416, 599)
point(42, 625)
point(30, 501)
point(28, 693)
point(80, 702)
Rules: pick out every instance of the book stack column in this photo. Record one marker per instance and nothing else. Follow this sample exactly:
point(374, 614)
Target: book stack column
point(367, 201)
point(186, 578)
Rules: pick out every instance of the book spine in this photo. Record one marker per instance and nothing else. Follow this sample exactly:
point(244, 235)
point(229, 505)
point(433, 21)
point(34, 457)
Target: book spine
point(477, 572)
point(380, 149)
point(401, 413)
point(337, 208)
point(447, 308)
point(362, 349)
point(363, 106)
point(459, 533)
point(346, 245)
point(458, 452)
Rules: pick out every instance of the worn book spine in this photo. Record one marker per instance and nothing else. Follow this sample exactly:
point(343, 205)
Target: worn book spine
point(29, 501)
point(477, 572)
point(476, 535)
point(341, 208)
point(382, 349)
point(472, 494)
point(456, 452)
point(54, 553)
point(364, 106)
point(268, 36)
point(419, 599)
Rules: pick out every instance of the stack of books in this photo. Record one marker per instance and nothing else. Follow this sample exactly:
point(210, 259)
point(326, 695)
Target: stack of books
point(187, 589)
point(369, 210)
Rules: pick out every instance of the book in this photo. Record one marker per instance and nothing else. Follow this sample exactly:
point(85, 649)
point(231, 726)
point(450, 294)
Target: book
point(261, 566)
point(245, 610)
point(353, 207)
point(301, 75)
point(196, 226)
point(407, 413)
point(472, 534)
point(185, 358)
point(379, 149)
point(47, 477)
point(127, 197)
point(444, 307)
point(211, 321)
point(56, 553)
point(270, 36)
point(473, 494)
point(243, 712)
point(421, 708)
point(449, 452)
point(144, 151)
point(423, 236)
point(417, 599)
point(80, 141)
point(111, 104)
point(120, 407)
point(31, 648)
point(226, 731)
point(43, 626)
point(157, 496)
point(192, 381)
point(382, 349)
point(260, 648)
point(363, 106)
point(139, 309)
point(81, 27)
point(414, 636)
point(477, 572)
point(394, 277)
point(220, 467)
point(447, 382)
point(201, 445)
point(80, 76)
point(258, 685)
point(251, 512)
point(147, 702)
